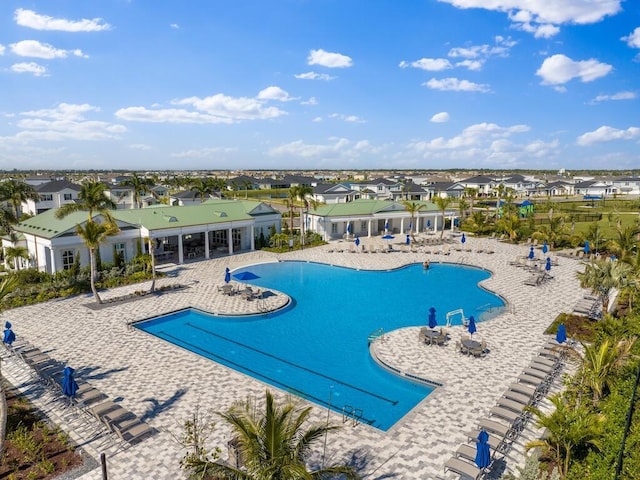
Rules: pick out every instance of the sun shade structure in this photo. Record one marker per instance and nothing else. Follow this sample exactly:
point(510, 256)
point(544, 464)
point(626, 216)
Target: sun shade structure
point(245, 276)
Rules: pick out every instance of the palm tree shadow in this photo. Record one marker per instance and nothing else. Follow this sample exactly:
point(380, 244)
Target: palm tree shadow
point(158, 407)
point(359, 461)
point(92, 373)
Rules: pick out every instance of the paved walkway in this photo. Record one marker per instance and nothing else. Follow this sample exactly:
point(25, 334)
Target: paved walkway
point(163, 384)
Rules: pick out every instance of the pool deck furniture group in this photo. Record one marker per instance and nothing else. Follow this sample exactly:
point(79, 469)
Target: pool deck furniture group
point(162, 384)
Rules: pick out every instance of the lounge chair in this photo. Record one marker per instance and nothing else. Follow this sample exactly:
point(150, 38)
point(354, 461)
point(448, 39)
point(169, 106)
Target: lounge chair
point(523, 389)
point(505, 413)
point(466, 469)
point(517, 397)
point(495, 427)
point(134, 432)
point(517, 407)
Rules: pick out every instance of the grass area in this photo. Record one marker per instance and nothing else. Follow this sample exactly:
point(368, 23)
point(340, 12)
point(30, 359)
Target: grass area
point(34, 450)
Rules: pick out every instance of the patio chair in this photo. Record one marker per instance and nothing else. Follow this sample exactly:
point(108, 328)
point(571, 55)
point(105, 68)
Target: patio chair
point(492, 426)
point(517, 407)
point(466, 469)
point(134, 432)
point(505, 413)
point(517, 397)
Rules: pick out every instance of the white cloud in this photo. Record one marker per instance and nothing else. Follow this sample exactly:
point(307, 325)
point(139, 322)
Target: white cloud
point(217, 108)
point(470, 64)
point(615, 96)
point(441, 117)
point(347, 118)
point(65, 122)
point(337, 148)
point(608, 134)
point(633, 39)
point(31, 19)
point(274, 93)
point(35, 49)
point(559, 69)
point(29, 67)
point(428, 64)
point(139, 146)
point(314, 76)
point(542, 17)
point(311, 101)
point(485, 144)
point(175, 26)
point(328, 59)
point(2, 48)
point(203, 152)
point(456, 85)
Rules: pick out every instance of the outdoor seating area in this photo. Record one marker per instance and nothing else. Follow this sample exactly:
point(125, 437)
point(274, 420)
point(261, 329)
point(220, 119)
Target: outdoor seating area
point(508, 417)
point(473, 347)
point(246, 292)
point(104, 417)
point(432, 336)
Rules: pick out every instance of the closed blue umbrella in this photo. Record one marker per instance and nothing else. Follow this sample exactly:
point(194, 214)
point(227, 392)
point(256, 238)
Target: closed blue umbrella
point(472, 325)
point(433, 323)
point(547, 267)
point(587, 248)
point(357, 241)
point(407, 241)
point(532, 254)
point(561, 334)
point(463, 239)
point(386, 225)
point(410, 225)
point(428, 223)
point(483, 453)
point(69, 385)
point(9, 336)
point(244, 276)
point(545, 247)
point(348, 228)
point(227, 275)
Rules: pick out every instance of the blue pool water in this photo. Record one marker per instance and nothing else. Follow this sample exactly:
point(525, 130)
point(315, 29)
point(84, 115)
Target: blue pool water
point(317, 348)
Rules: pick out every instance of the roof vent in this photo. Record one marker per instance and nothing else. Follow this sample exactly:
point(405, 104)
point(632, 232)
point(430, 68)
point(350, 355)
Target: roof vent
point(170, 218)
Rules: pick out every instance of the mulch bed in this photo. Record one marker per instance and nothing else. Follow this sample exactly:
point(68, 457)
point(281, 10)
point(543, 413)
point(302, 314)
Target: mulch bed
point(34, 449)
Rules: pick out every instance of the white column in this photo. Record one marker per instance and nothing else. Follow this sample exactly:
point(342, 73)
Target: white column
point(402, 226)
point(230, 240)
point(452, 222)
point(369, 228)
point(52, 254)
point(253, 237)
point(180, 252)
point(206, 244)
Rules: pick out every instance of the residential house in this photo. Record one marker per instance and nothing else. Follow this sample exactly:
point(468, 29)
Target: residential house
point(53, 194)
point(597, 188)
point(334, 193)
point(627, 185)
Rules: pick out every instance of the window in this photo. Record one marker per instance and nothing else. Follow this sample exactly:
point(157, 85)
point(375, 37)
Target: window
point(119, 249)
point(334, 228)
point(363, 226)
point(68, 196)
point(46, 197)
point(68, 256)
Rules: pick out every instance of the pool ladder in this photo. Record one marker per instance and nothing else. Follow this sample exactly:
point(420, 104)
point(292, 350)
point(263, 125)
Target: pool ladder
point(352, 414)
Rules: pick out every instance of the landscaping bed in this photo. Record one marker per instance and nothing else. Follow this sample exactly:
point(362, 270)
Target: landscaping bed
point(34, 449)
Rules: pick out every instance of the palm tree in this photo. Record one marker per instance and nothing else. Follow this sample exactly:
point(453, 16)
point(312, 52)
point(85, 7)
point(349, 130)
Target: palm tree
point(290, 202)
point(16, 192)
point(301, 193)
point(91, 198)
point(203, 187)
point(595, 235)
point(141, 186)
point(442, 204)
point(602, 276)
point(413, 208)
point(14, 254)
point(600, 360)
point(7, 220)
point(571, 427)
point(273, 444)
point(6, 287)
point(93, 234)
point(625, 245)
point(509, 223)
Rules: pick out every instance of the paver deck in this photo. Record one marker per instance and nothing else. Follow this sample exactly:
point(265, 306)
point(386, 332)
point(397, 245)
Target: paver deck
point(162, 383)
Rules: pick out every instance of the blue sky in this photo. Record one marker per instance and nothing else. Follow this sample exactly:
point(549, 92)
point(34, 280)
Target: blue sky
point(319, 84)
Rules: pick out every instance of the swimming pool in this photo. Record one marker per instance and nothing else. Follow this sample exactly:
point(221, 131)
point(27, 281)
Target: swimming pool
point(317, 348)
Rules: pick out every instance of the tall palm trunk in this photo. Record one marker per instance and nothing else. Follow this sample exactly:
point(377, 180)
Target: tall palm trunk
point(153, 266)
point(92, 262)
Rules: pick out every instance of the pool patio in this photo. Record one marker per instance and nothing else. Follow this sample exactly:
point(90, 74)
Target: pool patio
point(162, 383)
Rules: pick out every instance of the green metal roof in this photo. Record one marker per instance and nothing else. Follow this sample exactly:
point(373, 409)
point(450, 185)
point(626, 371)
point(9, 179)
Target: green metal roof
point(367, 207)
point(46, 225)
